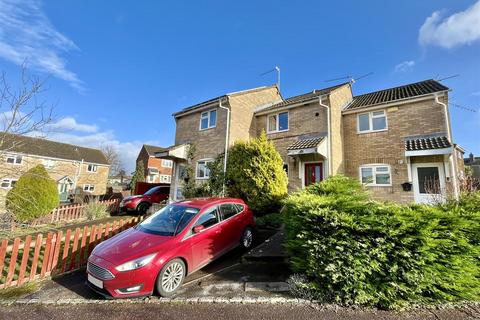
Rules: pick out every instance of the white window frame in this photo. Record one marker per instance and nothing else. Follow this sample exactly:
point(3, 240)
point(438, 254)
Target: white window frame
point(374, 174)
point(48, 163)
point(88, 187)
point(277, 125)
point(370, 121)
point(196, 169)
point(92, 167)
point(208, 114)
point(9, 181)
point(151, 178)
point(166, 177)
point(15, 159)
point(166, 163)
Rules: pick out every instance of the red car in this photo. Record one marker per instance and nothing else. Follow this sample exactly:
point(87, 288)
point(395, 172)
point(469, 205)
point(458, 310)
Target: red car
point(157, 254)
point(141, 203)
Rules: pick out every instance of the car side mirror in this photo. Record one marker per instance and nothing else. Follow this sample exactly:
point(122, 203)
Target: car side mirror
point(199, 228)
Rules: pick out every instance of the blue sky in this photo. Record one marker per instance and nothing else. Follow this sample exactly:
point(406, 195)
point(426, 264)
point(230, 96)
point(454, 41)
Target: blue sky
point(118, 69)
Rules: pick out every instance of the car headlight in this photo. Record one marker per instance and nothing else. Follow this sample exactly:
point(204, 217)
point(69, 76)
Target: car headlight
point(135, 264)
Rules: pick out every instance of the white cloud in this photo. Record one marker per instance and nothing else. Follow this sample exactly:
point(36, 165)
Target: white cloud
point(460, 28)
point(127, 150)
point(28, 36)
point(405, 66)
point(69, 123)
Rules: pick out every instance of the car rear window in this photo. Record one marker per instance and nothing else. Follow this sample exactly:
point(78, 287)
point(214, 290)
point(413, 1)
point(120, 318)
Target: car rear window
point(208, 219)
point(240, 207)
point(228, 210)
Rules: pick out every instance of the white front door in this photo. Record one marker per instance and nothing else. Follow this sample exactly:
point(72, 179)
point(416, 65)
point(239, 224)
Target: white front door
point(428, 182)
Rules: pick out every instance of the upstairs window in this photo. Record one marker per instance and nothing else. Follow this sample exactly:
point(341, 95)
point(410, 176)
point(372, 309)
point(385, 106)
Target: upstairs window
point(375, 175)
point(372, 121)
point(208, 119)
point(277, 122)
point(167, 163)
point(14, 159)
point(202, 169)
point(92, 168)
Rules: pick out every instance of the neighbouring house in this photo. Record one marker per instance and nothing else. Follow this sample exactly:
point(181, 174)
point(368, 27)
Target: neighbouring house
point(397, 142)
point(119, 181)
point(157, 170)
point(474, 164)
point(77, 170)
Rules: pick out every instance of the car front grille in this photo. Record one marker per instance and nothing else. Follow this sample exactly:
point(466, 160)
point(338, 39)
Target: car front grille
point(99, 272)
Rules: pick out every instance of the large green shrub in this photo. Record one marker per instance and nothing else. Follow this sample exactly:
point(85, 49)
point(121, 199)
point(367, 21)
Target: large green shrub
point(357, 251)
point(255, 174)
point(34, 195)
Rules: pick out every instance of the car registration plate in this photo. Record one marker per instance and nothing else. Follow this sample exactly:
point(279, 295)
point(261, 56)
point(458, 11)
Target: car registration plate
point(95, 281)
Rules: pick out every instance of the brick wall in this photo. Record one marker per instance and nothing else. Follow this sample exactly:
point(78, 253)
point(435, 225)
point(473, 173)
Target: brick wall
point(338, 99)
point(242, 107)
point(387, 147)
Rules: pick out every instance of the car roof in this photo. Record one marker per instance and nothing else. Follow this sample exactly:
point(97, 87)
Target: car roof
point(203, 202)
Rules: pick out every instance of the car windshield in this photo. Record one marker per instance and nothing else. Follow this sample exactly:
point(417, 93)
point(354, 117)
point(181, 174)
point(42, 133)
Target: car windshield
point(168, 221)
point(151, 191)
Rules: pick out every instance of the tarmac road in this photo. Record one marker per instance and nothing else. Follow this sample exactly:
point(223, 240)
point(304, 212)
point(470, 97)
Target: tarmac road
point(217, 311)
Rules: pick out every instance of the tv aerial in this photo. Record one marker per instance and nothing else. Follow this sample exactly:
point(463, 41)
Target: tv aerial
point(350, 78)
point(277, 69)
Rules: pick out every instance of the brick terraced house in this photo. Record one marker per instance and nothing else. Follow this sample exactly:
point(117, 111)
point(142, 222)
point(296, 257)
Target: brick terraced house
point(397, 142)
point(156, 170)
point(76, 169)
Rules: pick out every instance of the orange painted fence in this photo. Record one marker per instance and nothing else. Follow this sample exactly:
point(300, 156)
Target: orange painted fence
point(35, 258)
point(71, 212)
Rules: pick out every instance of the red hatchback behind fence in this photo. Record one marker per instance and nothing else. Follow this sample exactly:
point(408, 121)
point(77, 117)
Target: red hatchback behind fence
point(157, 254)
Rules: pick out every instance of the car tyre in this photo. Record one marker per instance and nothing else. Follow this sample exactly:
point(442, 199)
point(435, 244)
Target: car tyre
point(171, 277)
point(142, 208)
point(247, 238)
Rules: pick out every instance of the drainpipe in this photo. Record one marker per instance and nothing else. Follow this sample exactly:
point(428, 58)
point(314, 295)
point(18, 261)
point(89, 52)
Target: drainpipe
point(329, 145)
point(77, 176)
point(227, 134)
point(449, 135)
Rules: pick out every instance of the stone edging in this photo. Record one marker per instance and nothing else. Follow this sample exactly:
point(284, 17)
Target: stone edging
point(234, 300)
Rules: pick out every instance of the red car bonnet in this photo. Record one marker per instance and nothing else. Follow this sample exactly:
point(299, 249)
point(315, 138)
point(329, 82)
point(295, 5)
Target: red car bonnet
point(129, 245)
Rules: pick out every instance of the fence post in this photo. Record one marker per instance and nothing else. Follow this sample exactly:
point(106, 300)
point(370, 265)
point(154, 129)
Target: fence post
point(38, 246)
point(13, 262)
point(3, 251)
point(26, 255)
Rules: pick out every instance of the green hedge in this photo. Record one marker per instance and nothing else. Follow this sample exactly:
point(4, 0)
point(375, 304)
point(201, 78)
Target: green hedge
point(34, 195)
point(357, 251)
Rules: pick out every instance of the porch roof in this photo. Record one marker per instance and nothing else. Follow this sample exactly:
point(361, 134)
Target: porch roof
point(432, 145)
point(307, 146)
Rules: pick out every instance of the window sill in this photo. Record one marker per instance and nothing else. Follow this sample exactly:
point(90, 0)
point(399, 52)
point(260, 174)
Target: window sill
point(207, 128)
point(371, 131)
point(280, 131)
point(377, 185)
point(204, 178)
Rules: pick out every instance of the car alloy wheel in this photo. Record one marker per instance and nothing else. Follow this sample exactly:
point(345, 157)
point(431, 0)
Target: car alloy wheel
point(171, 277)
point(247, 238)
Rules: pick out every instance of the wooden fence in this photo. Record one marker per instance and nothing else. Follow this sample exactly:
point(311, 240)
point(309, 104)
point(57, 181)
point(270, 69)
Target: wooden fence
point(70, 212)
point(42, 256)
